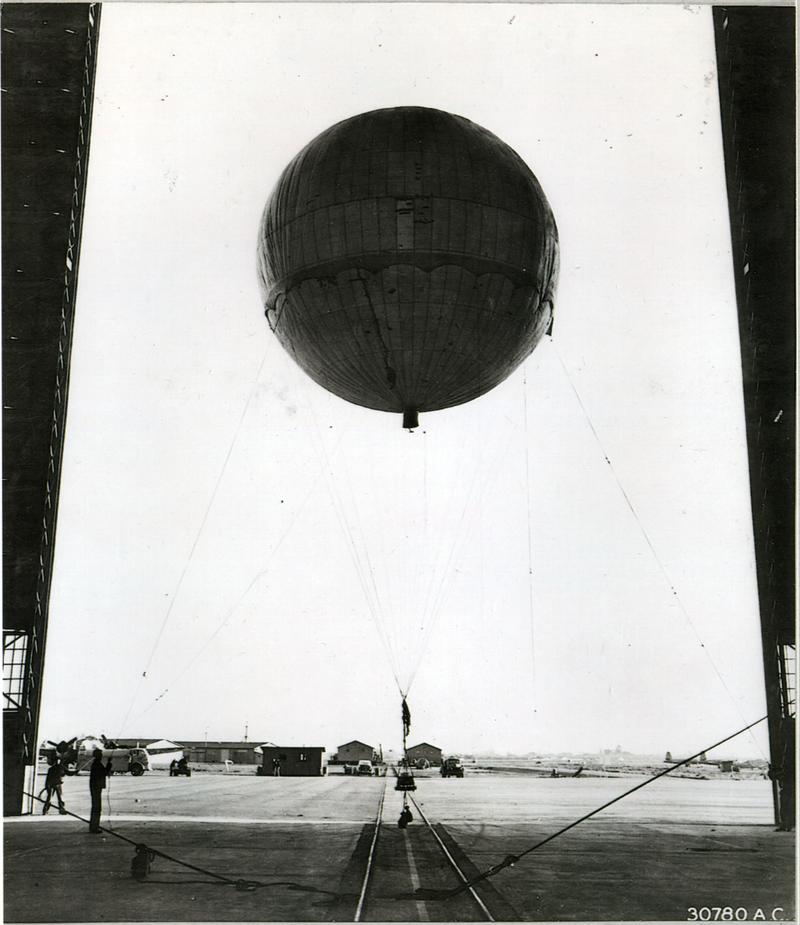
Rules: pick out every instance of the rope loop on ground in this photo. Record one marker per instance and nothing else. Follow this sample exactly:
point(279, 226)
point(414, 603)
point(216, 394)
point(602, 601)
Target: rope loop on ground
point(152, 853)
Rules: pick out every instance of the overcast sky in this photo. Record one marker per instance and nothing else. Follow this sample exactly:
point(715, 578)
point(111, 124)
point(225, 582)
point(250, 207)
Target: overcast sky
point(221, 514)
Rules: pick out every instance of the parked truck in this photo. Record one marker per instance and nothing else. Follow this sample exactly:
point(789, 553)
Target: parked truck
point(452, 767)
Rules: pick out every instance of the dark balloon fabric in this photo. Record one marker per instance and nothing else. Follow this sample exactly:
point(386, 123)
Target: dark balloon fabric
point(408, 260)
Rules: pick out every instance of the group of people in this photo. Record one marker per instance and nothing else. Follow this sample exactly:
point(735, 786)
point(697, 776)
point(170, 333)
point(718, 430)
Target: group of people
point(178, 767)
point(98, 772)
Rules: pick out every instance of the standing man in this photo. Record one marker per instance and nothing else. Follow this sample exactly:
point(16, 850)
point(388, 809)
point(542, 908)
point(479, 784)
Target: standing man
point(52, 783)
point(97, 784)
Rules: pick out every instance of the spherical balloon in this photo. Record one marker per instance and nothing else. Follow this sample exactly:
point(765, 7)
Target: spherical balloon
point(408, 260)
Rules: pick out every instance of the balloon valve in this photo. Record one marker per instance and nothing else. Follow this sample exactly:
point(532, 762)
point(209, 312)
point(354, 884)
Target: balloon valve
point(410, 418)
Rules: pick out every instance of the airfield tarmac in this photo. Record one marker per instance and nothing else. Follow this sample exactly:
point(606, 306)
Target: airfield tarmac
point(678, 845)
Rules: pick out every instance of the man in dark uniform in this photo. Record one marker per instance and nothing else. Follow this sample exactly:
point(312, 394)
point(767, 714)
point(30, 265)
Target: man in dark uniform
point(97, 784)
point(53, 781)
point(405, 817)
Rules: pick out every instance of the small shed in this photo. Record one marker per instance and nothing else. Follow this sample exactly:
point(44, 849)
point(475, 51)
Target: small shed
point(425, 752)
point(353, 752)
point(290, 761)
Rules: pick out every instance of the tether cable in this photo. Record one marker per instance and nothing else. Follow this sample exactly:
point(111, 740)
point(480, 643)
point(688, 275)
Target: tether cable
point(511, 859)
point(198, 534)
point(258, 576)
point(670, 584)
point(531, 610)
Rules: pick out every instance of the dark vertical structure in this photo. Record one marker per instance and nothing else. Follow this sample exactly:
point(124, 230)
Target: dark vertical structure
point(756, 64)
point(49, 54)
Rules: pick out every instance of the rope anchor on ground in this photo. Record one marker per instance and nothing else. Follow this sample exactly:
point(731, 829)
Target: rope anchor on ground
point(142, 858)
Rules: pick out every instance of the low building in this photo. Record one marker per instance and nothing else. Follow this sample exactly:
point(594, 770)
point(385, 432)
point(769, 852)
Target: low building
point(208, 752)
point(289, 761)
point(353, 752)
point(419, 754)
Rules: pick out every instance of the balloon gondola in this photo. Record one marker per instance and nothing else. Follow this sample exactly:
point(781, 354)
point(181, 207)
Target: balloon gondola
point(405, 782)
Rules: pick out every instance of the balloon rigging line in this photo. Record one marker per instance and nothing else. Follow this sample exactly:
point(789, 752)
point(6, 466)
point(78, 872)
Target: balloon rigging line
point(373, 606)
point(434, 609)
point(403, 609)
point(430, 610)
point(445, 553)
point(258, 576)
point(441, 555)
point(373, 603)
point(441, 577)
point(353, 530)
point(650, 545)
point(413, 476)
point(382, 620)
point(388, 637)
point(199, 532)
point(443, 572)
point(479, 481)
point(382, 611)
point(437, 556)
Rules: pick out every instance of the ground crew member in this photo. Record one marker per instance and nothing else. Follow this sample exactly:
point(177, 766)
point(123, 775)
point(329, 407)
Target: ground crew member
point(97, 784)
point(52, 783)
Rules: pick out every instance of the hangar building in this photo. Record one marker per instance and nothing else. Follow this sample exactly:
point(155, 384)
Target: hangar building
point(353, 752)
point(425, 752)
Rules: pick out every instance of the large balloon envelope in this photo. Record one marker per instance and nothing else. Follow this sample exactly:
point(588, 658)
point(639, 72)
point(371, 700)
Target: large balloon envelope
point(408, 260)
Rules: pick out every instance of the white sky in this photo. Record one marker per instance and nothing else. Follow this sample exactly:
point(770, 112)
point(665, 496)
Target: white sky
point(247, 583)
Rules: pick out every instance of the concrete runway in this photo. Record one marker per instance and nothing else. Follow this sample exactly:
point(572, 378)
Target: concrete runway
point(677, 846)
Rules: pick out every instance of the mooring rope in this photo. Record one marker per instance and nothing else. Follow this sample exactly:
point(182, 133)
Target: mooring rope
point(511, 859)
point(247, 884)
point(241, 884)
